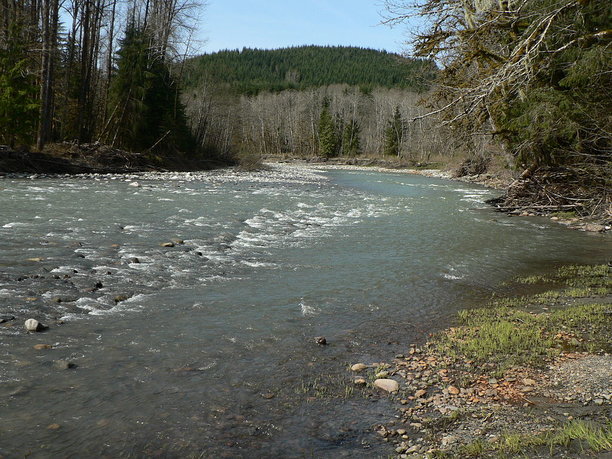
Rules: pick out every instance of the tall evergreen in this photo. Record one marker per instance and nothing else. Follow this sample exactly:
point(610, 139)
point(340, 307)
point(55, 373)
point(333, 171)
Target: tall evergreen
point(18, 93)
point(328, 137)
point(394, 134)
point(144, 101)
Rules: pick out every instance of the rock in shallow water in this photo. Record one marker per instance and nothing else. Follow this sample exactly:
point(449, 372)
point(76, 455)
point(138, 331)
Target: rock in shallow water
point(388, 385)
point(33, 325)
point(358, 367)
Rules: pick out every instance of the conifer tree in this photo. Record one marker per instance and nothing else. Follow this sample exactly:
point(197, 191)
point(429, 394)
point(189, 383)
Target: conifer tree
point(143, 96)
point(394, 134)
point(328, 138)
point(18, 93)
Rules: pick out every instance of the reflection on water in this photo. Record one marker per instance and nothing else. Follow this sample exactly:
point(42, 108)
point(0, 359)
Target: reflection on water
point(205, 347)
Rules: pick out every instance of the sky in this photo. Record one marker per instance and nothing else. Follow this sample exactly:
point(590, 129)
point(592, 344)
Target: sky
point(269, 24)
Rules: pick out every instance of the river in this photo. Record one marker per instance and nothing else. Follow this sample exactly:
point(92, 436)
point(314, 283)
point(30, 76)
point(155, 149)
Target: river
point(207, 348)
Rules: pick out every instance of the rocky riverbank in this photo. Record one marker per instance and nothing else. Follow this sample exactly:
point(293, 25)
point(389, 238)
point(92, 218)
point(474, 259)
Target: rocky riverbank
point(524, 377)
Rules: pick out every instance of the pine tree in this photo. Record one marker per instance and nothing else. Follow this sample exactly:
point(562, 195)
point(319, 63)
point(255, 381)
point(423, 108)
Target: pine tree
point(143, 97)
point(394, 134)
point(18, 93)
point(328, 138)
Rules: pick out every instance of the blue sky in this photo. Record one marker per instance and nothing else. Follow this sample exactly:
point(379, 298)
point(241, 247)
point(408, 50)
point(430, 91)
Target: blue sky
point(232, 24)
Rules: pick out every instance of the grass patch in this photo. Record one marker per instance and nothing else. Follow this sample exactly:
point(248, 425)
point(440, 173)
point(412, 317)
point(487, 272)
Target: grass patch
point(589, 436)
point(509, 337)
point(563, 215)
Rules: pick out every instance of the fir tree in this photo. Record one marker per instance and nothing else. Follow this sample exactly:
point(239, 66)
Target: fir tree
point(143, 96)
point(328, 137)
point(394, 134)
point(18, 93)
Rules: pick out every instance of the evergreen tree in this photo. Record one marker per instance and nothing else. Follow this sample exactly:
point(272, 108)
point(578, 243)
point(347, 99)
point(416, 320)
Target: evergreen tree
point(18, 93)
point(143, 96)
point(328, 138)
point(394, 134)
point(351, 144)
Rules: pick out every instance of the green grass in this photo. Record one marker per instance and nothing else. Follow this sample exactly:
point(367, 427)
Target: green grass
point(588, 435)
point(563, 215)
point(510, 337)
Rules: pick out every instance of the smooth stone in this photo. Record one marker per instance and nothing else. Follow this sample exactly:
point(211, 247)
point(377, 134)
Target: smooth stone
point(167, 244)
point(33, 325)
point(388, 385)
point(53, 426)
point(358, 367)
point(64, 365)
point(40, 347)
point(360, 382)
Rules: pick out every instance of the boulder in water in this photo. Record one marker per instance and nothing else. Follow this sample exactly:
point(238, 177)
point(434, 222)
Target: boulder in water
point(33, 325)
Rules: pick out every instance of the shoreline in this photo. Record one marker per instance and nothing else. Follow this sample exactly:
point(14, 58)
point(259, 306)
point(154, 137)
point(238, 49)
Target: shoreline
point(468, 393)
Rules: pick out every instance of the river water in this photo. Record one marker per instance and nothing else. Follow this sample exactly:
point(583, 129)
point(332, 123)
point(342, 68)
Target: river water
point(207, 348)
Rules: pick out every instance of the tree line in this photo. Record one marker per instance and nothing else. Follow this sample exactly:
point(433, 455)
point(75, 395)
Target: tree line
point(94, 70)
point(250, 71)
point(335, 120)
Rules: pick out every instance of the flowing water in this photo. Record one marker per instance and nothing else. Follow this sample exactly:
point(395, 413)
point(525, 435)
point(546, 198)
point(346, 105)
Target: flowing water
point(206, 349)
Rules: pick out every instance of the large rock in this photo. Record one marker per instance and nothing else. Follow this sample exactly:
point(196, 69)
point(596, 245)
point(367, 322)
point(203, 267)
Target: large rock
point(33, 325)
point(388, 385)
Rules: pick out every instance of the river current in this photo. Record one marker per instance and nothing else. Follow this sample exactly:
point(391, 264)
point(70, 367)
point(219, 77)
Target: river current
point(207, 348)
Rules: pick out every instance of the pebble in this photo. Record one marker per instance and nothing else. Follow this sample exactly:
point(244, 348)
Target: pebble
point(388, 385)
point(53, 426)
point(360, 382)
point(358, 367)
point(63, 365)
point(453, 390)
point(382, 374)
point(529, 382)
point(420, 393)
point(40, 347)
point(167, 244)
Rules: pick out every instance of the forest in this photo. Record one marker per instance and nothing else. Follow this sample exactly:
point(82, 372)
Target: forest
point(94, 71)
point(250, 71)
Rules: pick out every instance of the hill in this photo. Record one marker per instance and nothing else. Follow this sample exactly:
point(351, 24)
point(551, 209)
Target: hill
point(249, 71)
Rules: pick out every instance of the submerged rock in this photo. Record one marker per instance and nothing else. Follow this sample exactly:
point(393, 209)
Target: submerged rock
point(321, 341)
point(64, 365)
point(167, 244)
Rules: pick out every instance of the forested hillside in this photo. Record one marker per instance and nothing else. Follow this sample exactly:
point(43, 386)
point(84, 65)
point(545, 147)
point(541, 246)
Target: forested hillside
point(250, 71)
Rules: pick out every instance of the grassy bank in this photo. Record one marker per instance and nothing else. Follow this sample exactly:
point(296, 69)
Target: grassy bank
point(524, 376)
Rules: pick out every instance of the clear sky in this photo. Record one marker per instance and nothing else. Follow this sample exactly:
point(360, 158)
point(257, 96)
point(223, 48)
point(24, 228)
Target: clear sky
point(268, 24)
